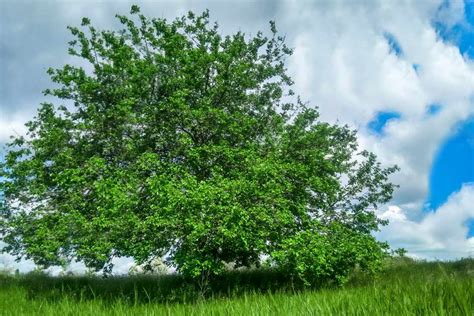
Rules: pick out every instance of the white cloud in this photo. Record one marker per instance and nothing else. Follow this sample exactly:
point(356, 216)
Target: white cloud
point(11, 125)
point(344, 65)
point(9, 264)
point(450, 12)
point(441, 234)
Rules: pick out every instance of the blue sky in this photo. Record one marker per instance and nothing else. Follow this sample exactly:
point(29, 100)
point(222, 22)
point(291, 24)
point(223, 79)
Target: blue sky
point(454, 162)
point(401, 73)
point(460, 34)
point(453, 166)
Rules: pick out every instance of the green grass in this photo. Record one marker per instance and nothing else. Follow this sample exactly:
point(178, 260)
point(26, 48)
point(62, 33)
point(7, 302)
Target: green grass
point(403, 288)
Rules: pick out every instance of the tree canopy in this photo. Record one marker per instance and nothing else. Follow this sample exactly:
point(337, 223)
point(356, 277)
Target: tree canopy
point(176, 141)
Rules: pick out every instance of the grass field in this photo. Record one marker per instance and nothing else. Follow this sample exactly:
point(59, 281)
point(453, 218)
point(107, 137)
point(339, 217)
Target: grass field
point(402, 288)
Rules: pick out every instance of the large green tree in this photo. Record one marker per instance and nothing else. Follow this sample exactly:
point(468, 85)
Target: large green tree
point(177, 141)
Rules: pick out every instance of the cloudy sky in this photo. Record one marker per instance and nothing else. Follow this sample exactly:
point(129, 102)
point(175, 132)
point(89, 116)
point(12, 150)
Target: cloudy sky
point(400, 72)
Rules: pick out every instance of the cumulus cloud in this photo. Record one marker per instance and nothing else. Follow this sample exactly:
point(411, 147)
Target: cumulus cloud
point(11, 125)
point(441, 234)
point(344, 64)
point(8, 263)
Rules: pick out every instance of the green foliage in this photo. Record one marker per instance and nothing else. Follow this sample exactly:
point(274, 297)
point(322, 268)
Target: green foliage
point(330, 253)
point(400, 252)
point(182, 142)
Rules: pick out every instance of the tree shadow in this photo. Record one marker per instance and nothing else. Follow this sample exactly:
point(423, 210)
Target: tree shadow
point(171, 288)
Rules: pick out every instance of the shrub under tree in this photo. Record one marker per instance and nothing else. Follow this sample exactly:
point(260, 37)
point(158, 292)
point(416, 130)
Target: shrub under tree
point(177, 141)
